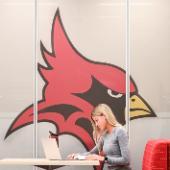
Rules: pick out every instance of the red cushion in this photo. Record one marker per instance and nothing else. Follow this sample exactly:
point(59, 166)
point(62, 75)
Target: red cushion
point(155, 155)
point(168, 163)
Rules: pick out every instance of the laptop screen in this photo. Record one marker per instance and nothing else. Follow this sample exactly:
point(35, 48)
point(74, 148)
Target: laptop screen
point(51, 148)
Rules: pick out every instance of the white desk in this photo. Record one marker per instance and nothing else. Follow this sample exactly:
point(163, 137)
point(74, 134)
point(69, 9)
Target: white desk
point(32, 161)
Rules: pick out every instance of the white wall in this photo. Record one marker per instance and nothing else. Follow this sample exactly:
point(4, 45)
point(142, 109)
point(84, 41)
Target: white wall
point(96, 28)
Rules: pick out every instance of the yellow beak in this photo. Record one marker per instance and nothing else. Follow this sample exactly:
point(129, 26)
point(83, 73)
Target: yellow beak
point(139, 108)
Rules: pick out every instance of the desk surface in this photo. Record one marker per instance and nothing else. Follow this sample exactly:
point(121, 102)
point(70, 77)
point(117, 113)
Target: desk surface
point(38, 161)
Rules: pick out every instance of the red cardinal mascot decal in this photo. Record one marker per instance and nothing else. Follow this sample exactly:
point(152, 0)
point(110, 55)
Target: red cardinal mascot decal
point(74, 85)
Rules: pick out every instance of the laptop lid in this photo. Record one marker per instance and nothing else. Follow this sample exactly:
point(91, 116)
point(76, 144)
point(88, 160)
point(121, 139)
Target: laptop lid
point(51, 148)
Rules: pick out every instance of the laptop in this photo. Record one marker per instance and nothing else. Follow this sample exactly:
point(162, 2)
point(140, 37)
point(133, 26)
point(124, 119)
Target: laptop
point(51, 149)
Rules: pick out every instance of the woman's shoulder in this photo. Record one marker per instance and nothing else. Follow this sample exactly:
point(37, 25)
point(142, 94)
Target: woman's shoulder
point(120, 130)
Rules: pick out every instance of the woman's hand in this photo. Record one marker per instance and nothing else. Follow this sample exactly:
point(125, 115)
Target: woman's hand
point(95, 157)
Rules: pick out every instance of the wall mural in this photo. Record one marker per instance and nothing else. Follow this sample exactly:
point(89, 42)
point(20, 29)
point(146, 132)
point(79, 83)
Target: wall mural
point(74, 85)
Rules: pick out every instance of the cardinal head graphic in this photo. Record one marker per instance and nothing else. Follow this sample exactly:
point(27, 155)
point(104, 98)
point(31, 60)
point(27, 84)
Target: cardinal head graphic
point(74, 85)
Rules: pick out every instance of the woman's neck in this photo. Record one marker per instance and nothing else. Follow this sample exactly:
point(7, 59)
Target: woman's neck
point(109, 128)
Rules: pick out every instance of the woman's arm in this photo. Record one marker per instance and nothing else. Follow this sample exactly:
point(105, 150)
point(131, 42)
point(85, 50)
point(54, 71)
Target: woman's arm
point(89, 155)
point(123, 142)
point(96, 149)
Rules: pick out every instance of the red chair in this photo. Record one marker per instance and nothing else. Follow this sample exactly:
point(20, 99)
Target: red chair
point(168, 155)
point(156, 155)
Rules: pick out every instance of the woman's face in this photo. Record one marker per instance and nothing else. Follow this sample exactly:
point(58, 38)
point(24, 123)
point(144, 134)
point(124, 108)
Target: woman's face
point(100, 122)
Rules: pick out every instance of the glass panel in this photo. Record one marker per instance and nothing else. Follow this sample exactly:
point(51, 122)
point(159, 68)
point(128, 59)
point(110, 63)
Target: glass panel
point(82, 56)
point(16, 75)
point(150, 39)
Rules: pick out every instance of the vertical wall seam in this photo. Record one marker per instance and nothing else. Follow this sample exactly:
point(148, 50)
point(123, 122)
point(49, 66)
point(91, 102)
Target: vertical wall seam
point(127, 63)
point(35, 117)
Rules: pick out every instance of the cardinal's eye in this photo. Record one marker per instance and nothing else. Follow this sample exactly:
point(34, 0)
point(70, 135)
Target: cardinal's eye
point(113, 94)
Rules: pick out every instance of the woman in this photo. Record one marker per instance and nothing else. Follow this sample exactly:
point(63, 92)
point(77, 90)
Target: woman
point(111, 140)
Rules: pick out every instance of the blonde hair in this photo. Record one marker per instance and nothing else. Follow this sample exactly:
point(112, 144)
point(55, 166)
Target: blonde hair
point(105, 110)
